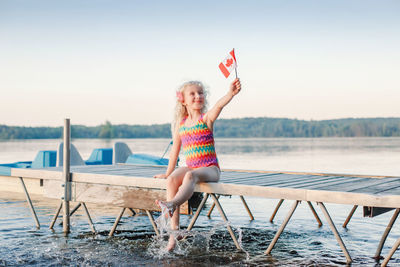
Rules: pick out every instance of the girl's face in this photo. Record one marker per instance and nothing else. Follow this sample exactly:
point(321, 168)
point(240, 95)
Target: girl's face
point(193, 97)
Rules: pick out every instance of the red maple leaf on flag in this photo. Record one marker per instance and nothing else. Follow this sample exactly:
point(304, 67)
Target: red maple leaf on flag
point(229, 62)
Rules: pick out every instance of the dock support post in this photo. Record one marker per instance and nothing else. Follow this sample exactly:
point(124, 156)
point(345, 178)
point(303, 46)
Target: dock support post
point(152, 222)
point(221, 211)
point(196, 215)
point(285, 222)
point(88, 217)
point(116, 222)
point(66, 175)
point(70, 213)
point(75, 209)
point(244, 203)
point(335, 232)
point(212, 208)
point(276, 210)
point(315, 213)
point(391, 252)
point(55, 216)
point(133, 212)
point(309, 204)
point(247, 208)
point(349, 216)
point(386, 233)
point(28, 199)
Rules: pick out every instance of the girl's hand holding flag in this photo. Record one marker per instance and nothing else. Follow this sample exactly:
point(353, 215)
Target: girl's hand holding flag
point(235, 87)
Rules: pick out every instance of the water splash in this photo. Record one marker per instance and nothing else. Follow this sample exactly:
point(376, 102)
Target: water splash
point(240, 238)
point(187, 242)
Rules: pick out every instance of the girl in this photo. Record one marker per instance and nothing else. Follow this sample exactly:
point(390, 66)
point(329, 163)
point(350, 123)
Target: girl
point(193, 129)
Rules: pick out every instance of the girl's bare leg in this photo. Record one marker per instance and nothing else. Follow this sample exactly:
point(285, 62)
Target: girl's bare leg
point(190, 179)
point(180, 187)
point(174, 181)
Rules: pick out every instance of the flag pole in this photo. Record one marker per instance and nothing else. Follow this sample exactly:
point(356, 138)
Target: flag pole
point(236, 63)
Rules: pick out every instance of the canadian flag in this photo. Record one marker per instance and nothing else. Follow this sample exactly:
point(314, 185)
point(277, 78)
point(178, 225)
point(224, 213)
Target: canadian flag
point(228, 64)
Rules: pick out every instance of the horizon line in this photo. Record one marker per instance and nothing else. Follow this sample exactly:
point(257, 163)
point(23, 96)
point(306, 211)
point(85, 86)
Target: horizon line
point(282, 118)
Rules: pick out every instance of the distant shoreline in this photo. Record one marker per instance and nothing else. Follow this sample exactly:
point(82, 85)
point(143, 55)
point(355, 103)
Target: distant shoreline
point(228, 128)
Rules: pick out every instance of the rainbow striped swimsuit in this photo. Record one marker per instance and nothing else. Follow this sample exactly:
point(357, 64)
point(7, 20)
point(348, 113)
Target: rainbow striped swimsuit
point(198, 144)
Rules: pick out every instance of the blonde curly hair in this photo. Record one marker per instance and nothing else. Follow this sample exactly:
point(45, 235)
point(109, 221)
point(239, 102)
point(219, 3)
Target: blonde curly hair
point(180, 109)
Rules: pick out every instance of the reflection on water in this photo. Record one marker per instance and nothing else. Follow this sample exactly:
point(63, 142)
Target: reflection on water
point(374, 156)
point(302, 243)
point(273, 146)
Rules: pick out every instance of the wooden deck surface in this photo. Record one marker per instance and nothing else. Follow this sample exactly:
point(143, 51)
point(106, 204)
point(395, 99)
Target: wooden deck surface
point(378, 191)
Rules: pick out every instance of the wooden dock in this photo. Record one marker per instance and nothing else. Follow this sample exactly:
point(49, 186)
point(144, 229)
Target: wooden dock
point(133, 186)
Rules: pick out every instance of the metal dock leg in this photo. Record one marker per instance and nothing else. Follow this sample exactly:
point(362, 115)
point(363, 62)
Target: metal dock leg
point(278, 234)
point(75, 209)
point(66, 176)
point(88, 217)
point(150, 215)
point(72, 212)
point(276, 210)
point(244, 203)
point(315, 213)
point(349, 216)
point(133, 212)
point(28, 199)
point(247, 208)
point(212, 208)
point(221, 211)
point(335, 232)
point(386, 233)
point(116, 222)
point(196, 215)
point(391, 252)
point(55, 216)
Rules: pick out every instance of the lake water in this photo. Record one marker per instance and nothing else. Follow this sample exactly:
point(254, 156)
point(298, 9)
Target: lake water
point(303, 243)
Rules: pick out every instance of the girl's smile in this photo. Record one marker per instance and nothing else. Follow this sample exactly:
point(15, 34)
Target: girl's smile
point(193, 97)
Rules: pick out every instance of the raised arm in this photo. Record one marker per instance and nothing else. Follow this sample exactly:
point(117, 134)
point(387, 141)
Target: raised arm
point(213, 113)
point(173, 155)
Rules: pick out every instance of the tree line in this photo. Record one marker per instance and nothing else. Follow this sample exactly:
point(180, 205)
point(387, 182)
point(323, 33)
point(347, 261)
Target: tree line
point(229, 128)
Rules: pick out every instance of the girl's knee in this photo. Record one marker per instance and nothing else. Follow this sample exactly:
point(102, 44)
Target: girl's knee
point(190, 177)
point(172, 181)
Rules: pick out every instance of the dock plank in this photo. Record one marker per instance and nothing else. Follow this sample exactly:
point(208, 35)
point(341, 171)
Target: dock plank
point(377, 188)
point(337, 182)
point(354, 185)
point(305, 180)
point(392, 191)
point(271, 180)
point(324, 182)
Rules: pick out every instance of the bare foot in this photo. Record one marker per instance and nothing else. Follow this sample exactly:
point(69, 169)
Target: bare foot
point(166, 206)
point(171, 243)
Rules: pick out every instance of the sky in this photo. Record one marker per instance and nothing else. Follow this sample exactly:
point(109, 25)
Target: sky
point(122, 61)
